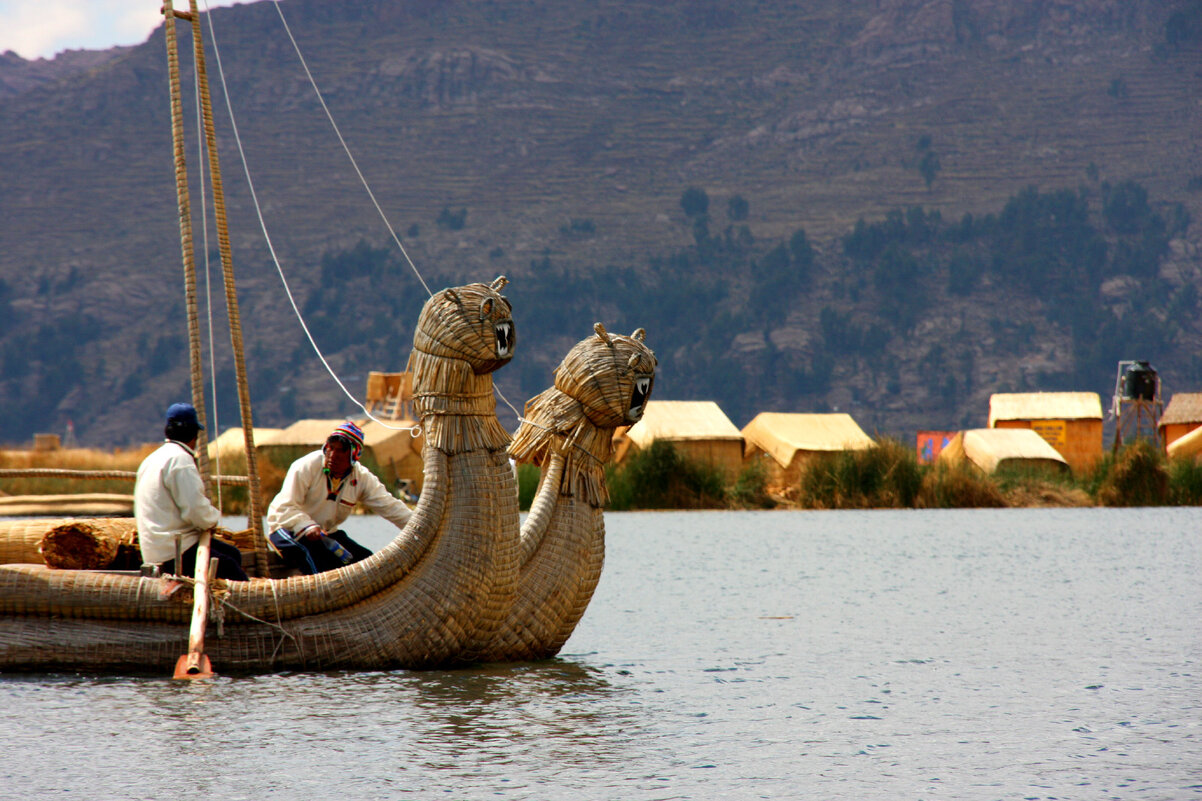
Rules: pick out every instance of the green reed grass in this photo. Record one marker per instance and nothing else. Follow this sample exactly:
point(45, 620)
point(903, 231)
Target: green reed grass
point(1136, 476)
point(528, 478)
point(659, 477)
point(886, 475)
point(958, 486)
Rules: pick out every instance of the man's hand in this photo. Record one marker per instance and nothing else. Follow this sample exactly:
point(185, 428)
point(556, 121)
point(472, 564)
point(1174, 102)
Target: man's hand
point(313, 533)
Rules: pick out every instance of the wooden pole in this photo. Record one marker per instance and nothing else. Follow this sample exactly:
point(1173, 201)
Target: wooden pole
point(195, 664)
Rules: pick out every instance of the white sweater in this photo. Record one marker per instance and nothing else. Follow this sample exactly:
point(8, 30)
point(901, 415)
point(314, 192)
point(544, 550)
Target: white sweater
point(169, 499)
point(302, 501)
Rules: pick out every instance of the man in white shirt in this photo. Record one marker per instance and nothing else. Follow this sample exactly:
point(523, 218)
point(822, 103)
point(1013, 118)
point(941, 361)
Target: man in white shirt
point(170, 502)
point(319, 493)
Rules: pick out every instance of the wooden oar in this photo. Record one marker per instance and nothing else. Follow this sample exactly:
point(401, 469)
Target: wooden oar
point(195, 663)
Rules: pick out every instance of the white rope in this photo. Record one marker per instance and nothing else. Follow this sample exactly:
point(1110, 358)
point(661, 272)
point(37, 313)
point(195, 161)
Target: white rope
point(414, 430)
point(347, 149)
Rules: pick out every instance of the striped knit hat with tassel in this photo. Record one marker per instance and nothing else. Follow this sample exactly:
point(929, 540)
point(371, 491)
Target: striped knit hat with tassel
point(353, 435)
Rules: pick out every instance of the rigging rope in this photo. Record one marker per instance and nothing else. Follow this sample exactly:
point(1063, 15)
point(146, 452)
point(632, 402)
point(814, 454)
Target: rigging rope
point(414, 430)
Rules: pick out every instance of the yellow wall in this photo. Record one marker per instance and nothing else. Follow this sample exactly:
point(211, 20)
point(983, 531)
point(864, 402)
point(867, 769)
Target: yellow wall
point(724, 454)
point(1082, 442)
point(1175, 431)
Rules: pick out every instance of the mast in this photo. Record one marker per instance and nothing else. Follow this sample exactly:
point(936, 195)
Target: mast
point(255, 517)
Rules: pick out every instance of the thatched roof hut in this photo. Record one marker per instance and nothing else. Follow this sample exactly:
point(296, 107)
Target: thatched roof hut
point(1187, 445)
point(1071, 422)
point(992, 448)
point(1181, 416)
point(785, 442)
point(699, 430)
point(232, 441)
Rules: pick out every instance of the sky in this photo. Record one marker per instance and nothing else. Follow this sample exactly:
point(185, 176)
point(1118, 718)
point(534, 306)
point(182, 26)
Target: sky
point(42, 28)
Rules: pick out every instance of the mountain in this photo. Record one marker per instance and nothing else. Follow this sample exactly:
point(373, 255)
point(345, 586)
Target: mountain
point(889, 207)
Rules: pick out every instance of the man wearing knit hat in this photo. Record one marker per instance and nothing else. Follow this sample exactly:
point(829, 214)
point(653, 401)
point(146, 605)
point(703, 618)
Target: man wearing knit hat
point(319, 493)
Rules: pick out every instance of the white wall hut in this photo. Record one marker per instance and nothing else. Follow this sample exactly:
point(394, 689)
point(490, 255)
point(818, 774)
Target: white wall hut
point(699, 430)
point(786, 442)
point(992, 448)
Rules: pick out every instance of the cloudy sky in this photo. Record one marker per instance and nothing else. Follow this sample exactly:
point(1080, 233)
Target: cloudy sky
point(42, 28)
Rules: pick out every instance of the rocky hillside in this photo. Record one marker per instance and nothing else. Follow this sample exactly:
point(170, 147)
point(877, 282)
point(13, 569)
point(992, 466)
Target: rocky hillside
point(559, 143)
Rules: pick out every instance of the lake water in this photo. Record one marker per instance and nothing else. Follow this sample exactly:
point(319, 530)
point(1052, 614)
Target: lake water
point(975, 654)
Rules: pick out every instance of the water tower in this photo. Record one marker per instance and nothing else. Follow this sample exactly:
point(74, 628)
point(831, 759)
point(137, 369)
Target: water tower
point(1137, 405)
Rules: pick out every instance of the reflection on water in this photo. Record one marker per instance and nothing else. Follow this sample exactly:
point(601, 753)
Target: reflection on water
point(939, 655)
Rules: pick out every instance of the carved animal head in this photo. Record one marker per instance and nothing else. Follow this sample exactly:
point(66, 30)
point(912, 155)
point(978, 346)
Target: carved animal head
point(473, 323)
point(610, 375)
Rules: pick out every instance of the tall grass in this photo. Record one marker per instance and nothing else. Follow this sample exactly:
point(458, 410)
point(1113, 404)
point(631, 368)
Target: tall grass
point(658, 477)
point(1137, 476)
point(528, 478)
point(71, 459)
point(886, 475)
point(958, 486)
point(1185, 482)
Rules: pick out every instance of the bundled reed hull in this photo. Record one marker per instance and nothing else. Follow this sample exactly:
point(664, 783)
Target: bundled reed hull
point(602, 383)
point(436, 595)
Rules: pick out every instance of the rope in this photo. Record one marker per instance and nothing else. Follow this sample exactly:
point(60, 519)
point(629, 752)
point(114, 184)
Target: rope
point(219, 600)
point(123, 475)
point(334, 125)
point(263, 225)
point(231, 296)
point(271, 247)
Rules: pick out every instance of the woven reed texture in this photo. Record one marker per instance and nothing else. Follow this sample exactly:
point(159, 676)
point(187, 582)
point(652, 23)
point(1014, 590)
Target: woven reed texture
point(568, 430)
point(21, 539)
point(456, 346)
point(87, 544)
point(435, 595)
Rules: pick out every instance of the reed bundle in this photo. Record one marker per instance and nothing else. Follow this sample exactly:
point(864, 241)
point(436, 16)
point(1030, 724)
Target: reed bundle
point(594, 387)
point(89, 544)
point(455, 351)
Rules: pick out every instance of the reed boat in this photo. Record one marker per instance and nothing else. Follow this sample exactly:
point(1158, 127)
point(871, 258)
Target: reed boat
point(604, 382)
point(438, 594)
point(463, 582)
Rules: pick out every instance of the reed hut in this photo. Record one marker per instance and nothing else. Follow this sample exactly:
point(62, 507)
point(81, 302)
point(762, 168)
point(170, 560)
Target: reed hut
point(1071, 422)
point(1187, 446)
point(1181, 416)
point(785, 443)
point(990, 449)
point(393, 454)
point(699, 430)
point(232, 442)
